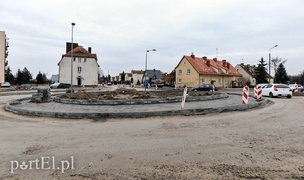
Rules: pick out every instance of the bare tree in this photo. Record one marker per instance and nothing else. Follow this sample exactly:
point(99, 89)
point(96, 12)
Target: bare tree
point(275, 63)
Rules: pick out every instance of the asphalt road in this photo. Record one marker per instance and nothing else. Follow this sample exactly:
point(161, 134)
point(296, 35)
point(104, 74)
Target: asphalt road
point(262, 143)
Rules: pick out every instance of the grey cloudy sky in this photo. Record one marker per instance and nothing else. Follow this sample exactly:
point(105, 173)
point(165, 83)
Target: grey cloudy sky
point(120, 32)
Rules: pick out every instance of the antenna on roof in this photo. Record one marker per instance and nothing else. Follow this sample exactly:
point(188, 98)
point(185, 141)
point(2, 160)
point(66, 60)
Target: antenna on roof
point(216, 53)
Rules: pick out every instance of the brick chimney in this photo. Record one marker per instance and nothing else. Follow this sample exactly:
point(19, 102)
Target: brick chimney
point(192, 55)
point(90, 49)
point(208, 63)
point(215, 59)
point(205, 58)
point(224, 63)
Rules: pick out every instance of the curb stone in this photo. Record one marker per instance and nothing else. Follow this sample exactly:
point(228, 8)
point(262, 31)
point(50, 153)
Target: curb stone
point(11, 106)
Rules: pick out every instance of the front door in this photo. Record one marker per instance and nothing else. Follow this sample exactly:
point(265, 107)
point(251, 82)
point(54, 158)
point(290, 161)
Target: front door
point(79, 81)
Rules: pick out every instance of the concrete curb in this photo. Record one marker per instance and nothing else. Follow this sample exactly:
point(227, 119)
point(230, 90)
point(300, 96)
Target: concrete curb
point(101, 116)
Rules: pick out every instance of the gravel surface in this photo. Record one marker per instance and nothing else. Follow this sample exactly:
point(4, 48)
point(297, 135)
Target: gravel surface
point(262, 143)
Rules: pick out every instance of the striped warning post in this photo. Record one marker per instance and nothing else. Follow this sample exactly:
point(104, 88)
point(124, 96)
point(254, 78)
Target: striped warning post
point(259, 93)
point(184, 98)
point(296, 88)
point(245, 95)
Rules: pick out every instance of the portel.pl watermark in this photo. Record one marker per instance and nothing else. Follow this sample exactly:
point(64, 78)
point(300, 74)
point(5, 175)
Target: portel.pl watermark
point(43, 163)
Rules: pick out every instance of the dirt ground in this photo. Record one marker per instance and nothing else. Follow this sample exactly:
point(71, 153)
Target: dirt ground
point(126, 94)
point(263, 143)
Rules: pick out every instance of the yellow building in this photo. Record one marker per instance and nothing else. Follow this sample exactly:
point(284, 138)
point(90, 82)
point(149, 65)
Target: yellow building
point(3, 55)
point(194, 71)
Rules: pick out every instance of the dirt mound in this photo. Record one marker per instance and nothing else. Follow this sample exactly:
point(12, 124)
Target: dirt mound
point(117, 94)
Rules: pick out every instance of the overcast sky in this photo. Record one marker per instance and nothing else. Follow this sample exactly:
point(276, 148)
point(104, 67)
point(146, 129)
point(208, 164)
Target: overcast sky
point(120, 32)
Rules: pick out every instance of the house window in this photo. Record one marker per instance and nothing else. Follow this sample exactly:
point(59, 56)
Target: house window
point(74, 59)
point(179, 80)
point(220, 80)
point(79, 59)
point(203, 80)
point(188, 71)
point(84, 59)
point(79, 69)
point(179, 71)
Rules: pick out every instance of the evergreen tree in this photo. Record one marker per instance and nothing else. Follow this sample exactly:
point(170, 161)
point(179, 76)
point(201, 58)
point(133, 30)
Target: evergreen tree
point(26, 76)
point(109, 78)
point(123, 77)
point(260, 72)
point(281, 74)
point(19, 77)
point(172, 77)
point(39, 78)
point(23, 77)
point(45, 79)
point(9, 77)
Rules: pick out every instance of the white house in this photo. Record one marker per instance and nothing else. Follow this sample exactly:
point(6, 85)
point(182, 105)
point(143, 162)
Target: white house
point(137, 75)
point(85, 66)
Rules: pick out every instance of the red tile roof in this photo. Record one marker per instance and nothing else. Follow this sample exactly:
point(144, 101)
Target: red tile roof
point(79, 51)
point(216, 67)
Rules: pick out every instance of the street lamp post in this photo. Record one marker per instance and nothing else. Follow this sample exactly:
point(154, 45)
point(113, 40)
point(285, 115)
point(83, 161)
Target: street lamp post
point(72, 46)
point(269, 66)
point(108, 75)
point(145, 76)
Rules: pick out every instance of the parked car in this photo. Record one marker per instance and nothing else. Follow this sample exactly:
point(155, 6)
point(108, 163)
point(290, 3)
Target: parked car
point(5, 84)
point(25, 86)
point(206, 87)
point(261, 85)
point(292, 87)
point(276, 90)
point(59, 85)
point(54, 85)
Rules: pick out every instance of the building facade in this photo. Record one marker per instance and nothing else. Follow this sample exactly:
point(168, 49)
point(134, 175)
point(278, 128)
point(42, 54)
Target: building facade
point(85, 66)
point(248, 73)
point(3, 55)
point(194, 71)
point(137, 76)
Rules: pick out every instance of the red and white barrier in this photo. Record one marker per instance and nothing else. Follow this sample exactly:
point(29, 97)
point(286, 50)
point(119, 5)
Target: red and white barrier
point(100, 86)
point(184, 98)
point(258, 93)
point(245, 95)
point(296, 88)
point(255, 90)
